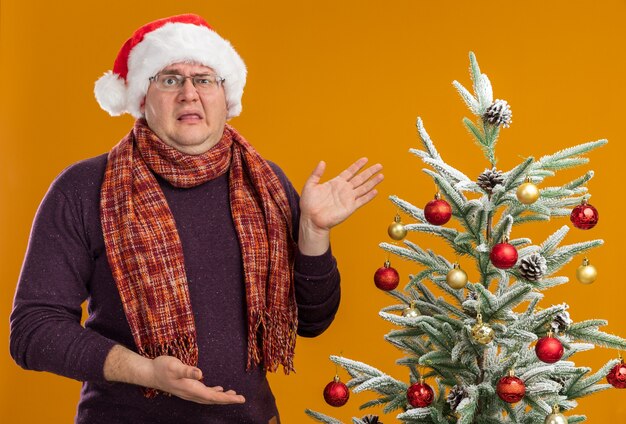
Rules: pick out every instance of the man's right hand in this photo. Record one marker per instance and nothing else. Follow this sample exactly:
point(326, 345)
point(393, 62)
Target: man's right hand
point(165, 373)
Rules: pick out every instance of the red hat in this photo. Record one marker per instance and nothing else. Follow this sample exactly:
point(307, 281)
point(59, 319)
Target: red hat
point(182, 38)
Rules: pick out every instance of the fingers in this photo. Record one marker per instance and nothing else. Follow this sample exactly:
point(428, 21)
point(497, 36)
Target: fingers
point(366, 198)
point(365, 188)
point(213, 396)
point(353, 169)
point(316, 175)
point(195, 391)
point(225, 398)
point(366, 175)
point(349, 174)
point(190, 372)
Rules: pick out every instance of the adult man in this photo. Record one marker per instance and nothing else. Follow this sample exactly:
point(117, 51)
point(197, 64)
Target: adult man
point(197, 257)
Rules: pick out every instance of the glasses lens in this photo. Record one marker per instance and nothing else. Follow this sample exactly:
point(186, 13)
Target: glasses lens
point(206, 82)
point(169, 82)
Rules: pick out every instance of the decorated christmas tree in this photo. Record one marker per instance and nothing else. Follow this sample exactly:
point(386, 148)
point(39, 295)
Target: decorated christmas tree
point(486, 351)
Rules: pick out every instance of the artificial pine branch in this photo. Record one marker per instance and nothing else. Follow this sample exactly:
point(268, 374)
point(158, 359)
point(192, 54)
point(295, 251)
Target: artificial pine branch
point(415, 253)
point(566, 163)
point(514, 177)
point(468, 98)
point(457, 324)
point(480, 137)
point(376, 402)
point(562, 203)
point(561, 256)
point(321, 417)
point(585, 325)
point(400, 296)
point(426, 141)
point(568, 153)
point(582, 385)
point(452, 175)
point(533, 218)
point(415, 415)
point(454, 293)
point(579, 181)
point(503, 228)
point(409, 209)
point(451, 309)
point(515, 295)
point(419, 277)
point(406, 321)
point(554, 240)
point(598, 338)
point(548, 283)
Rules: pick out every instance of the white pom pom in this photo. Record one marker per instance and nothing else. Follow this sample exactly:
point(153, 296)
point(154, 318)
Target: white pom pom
point(110, 91)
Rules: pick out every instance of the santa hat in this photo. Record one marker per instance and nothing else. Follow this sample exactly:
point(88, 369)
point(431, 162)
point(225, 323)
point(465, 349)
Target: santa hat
point(182, 38)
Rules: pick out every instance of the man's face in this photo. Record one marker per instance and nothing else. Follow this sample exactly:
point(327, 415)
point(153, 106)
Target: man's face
point(187, 120)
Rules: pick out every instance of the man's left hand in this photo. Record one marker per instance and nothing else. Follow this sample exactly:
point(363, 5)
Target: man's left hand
point(324, 205)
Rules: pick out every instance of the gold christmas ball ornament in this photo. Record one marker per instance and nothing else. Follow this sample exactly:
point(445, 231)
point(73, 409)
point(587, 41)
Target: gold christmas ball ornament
point(456, 277)
point(482, 332)
point(555, 417)
point(586, 273)
point(527, 193)
point(411, 311)
point(396, 230)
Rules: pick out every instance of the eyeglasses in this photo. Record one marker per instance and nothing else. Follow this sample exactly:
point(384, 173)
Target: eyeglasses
point(174, 82)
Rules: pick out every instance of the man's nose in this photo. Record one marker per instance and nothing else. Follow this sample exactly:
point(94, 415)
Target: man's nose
point(188, 91)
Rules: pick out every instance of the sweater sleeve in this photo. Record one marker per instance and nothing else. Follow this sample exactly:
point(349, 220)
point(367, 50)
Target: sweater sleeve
point(46, 330)
point(316, 278)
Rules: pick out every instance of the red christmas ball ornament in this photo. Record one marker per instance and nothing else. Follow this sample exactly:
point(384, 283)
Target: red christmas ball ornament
point(336, 393)
point(386, 277)
point(510, 388)
point(549, 349)
point(503, 255)
point(420, 395)
point(584, 216)
point(437, 211)
point(617, 376)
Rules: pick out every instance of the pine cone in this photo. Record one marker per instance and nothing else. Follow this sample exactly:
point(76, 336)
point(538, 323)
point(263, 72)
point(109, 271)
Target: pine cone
point(561, 322)
point(489, 179)
point(456, 395)
point(371, 419)
point(533, 267)
point(499, 113)
point(562, 381)
point(470, 296)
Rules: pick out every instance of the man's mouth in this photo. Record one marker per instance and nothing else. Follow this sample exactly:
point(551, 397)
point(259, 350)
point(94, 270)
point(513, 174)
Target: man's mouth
point(189, 117)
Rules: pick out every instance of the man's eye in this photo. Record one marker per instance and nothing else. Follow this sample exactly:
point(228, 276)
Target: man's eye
point(169, 81)
point(203, 80)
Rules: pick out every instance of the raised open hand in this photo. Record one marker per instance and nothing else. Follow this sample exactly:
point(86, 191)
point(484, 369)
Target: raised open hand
point(327, 204)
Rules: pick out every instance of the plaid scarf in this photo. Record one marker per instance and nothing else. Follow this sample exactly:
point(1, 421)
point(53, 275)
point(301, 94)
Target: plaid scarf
point(146, 257)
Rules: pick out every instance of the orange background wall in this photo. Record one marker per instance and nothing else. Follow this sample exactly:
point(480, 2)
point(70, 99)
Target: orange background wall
point(333, 80)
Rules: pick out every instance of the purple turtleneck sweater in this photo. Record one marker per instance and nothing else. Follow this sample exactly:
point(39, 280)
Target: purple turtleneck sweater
point(66, 264)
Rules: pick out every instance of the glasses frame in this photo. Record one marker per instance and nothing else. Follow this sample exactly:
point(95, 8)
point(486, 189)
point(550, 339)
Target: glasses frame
point(181, 79)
